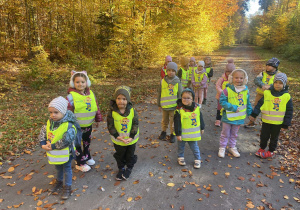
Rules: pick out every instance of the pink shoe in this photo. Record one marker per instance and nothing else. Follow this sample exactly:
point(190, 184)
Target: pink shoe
point(218, 123)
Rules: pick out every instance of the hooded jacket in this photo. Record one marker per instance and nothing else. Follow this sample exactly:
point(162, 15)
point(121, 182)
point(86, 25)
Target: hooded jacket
point(230, 107)
point(98, 116)
point(177, 117)
point(68, 137)
point(110, 120)
point(172, 81)
point(289, 106)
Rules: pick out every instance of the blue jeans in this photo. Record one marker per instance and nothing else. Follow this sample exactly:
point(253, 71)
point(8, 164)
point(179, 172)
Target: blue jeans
point(194, 147)
point(67, 167)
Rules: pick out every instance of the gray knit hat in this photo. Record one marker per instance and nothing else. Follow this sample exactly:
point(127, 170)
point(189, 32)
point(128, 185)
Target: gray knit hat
point(281, 77)
point(172, 65)
point(59, 103)
point(273, 62)
point(123, 90)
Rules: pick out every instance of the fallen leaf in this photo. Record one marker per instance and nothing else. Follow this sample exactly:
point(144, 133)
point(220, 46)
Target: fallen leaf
point(129, 199)
point(27, 177)
point(97, 166)
point(17, 206)
point(200, 199)
point(39, 203)
point(238, 188)
point(227, 174)
point(11, 169)
point(33, 189)
point(215, 173)
point(138, 198)
point(50, 176)
point(49, 205)
point(7, 177)
point(280, 180)
point(184, 170)
point(122, 194)
point(286, 197)
point(136, 182)
point(104, 177)
point(241, 178)
point(150, 174)
point(250, 205)
point(171, 184)
point(291, 180)
point(9, 184)
point(1, 200)
point(117, 183)
point(85, 186)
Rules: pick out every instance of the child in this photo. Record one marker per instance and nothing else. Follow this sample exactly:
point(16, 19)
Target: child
point(210, 72)
point(123, 126)
point(189, 126)
point(236, 105)
point(163, 71)
point(183, 72)
point(169, 91)
point(192, 68)
point(264, 81)
point(82, 102)
point(57, 138)
point(276, 107)
point(199, 79)
point(220, 86)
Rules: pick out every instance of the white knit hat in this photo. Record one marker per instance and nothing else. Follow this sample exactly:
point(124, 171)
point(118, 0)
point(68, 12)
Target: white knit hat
point(73, 73)
point(201, 63)
point(59, 103)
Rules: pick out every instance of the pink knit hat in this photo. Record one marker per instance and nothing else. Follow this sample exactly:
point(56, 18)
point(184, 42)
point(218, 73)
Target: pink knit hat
point(230, 65)
point(168, 58)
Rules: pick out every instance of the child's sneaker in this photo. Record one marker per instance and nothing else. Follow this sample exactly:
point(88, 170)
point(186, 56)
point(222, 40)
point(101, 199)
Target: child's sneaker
point(221, 152)
point(218, 123)
point(127, 173)
point(58, 186)
point(163, 135)
point(250, 124)
point(172, 138)
point(181, 161)
point(234, 151)
point(119, 176)
point(258, 153)
point(204, 101)
point(83, 168)
point(90, 162)
point(267, 154)
point(197, 164)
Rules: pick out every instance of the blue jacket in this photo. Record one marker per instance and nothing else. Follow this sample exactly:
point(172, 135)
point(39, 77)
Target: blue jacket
point(228, 106)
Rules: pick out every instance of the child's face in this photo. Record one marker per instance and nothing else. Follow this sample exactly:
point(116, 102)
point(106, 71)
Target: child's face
point(270, 69)
point(55, 115)
point(207, 61)
point(187, 99)
point(171, 73)
point(121, 101)
point(278, 85)
point(238, 78)
point(192, 63)
point(80, 84)
point(200, 68)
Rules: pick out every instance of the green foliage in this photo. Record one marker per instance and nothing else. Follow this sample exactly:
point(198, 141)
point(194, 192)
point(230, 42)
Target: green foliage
point(290, 51)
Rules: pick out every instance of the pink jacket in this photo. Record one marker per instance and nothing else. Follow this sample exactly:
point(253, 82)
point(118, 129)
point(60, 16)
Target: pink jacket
point(219, 85)
point(203, 83)
point(98, 116)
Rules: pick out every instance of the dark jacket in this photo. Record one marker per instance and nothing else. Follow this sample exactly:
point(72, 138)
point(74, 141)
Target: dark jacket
point(68, 137)
point(211, 73)
point(110, 120)
point(98, 116)
point(289, 106)
point(177, 117)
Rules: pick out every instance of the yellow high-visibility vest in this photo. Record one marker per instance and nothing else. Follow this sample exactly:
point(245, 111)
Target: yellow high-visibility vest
point(184, 77)
point(208, 70)
point(225, 82)
point(168, 96)
point(199, 77)
point(85, 108)
point(191, 70)
point(239, 99)
point(273, 109)
point(268, 80)
point(58, 157)
point(123, 126)
point(190, 125)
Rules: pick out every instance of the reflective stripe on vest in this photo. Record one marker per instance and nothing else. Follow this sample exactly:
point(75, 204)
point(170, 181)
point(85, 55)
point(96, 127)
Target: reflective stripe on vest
point(123, 126)
point(240, 100)
point(184, 77)
point(62, 156)
point(190, 125)
point(168, 96)
point(85, 108)
point(267, 80)
point(191, 70)
point(273, 109)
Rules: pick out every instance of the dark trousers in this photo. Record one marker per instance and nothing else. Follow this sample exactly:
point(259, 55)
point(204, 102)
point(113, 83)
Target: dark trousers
point(83, 154)
point(218, 116)
point(269, 131)
point(125, 156)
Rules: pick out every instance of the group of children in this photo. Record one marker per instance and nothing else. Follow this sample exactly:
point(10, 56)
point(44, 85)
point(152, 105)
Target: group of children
point(67, 133)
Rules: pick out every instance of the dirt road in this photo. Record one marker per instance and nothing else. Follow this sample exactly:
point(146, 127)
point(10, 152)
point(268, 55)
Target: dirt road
point(229, 183)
